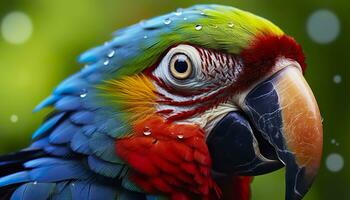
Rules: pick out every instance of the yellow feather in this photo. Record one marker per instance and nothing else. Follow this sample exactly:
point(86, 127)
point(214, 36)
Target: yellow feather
point(134, 95)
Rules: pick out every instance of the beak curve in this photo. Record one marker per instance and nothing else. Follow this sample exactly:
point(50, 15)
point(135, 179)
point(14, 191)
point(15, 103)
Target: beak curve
point(279, 125)
point(284, 111)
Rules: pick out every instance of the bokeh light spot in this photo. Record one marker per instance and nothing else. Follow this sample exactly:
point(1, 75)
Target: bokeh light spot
point(334, 162)
point(337, 79)
point(333, 141)
point(323, 26)
point(16, 27)
point(14, 118)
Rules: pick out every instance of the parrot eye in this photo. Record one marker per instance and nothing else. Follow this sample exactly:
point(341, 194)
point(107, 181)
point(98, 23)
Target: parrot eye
point(180, 66)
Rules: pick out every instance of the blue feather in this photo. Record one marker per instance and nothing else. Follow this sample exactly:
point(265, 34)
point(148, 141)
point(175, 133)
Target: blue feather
point(58, 150)
point(94, 78)
point(113, 126)
point(72, 86)
point(31, 191)
point(47, 161)
point(47, 125)
point(91, 55)
point(47, 102)
point(92, 191)
point(67, 171)
point(88, 130)
point(91, 101)
point(154, 23)
point(68, 103)
point(83, 117)
point(104, 168)
point(152, 197)
point(39, 144)
point(62, 191)
point(103, 147)
point(63, 133)
point(91, 69)
point(18, 177)
point(80, 143)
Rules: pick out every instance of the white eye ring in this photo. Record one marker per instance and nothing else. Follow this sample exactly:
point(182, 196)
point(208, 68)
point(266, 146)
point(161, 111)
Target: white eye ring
point(180, 79)
point(181, 66)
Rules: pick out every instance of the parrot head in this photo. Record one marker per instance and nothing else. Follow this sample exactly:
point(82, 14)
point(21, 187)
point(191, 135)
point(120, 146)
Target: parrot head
point(208, 92)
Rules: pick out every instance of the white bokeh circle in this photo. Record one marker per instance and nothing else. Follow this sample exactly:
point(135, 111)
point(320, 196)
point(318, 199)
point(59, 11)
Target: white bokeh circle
point(16, 27)
point(334, 162)
point(14, 118)
point(323, 26)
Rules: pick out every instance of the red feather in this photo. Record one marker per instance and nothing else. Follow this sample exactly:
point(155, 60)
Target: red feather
point(235, 187)
point(265, 49)
point(170, 159)
point(173, 159)
point(262, 54)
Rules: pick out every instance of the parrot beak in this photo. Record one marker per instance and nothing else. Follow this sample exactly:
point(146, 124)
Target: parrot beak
point(279, 125)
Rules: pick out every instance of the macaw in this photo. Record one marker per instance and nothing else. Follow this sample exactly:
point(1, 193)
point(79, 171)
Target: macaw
point(188, 105)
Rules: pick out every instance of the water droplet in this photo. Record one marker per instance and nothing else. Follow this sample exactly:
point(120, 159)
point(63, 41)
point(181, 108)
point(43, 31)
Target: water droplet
point(323, 26)
point(111, 53)
point(73, 184)
point(145, 36)
point(178, 12)
point(198, 27)
point(202, 13)
point(334, 162)
point(147, 132)
point(180, 136)
point(35, 182)
point(167, 21)
point(337, 79)
point(215, 26)
point(185, 18)
point(83, 93)
point(230, 24)
point(14, 118)
point(106, 62)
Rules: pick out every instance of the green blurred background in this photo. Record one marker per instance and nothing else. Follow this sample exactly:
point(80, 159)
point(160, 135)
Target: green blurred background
point(40, 41)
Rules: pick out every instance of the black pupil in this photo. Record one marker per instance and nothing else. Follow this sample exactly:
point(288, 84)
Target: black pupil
point(181, 65)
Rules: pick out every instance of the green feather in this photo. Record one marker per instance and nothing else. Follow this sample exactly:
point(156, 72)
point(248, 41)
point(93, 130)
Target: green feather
point(224, 28)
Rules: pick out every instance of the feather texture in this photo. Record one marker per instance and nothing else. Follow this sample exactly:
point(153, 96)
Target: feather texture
point(47, 125)
point(79, 140)
point(169, 158)
point(63, 133)
point(30, 191)
point(92, 191)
